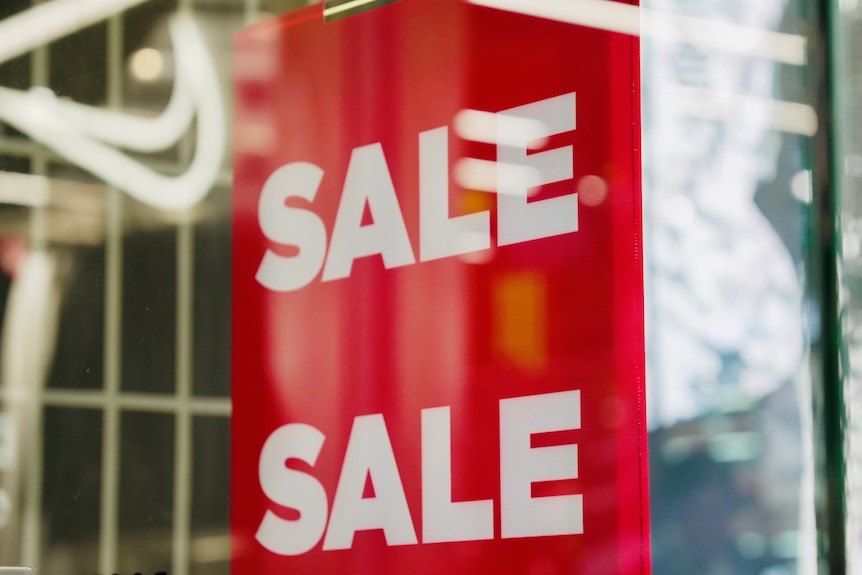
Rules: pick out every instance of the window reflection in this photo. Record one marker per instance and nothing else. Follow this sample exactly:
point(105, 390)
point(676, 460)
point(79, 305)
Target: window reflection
point(726, 196)
point(142, 299)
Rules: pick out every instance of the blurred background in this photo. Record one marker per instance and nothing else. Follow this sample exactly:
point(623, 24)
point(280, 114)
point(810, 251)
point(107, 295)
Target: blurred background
point(115, 284)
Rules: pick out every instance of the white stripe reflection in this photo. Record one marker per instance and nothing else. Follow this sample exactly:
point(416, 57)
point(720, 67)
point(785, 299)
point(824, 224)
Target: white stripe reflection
point(479, 126)
point(482, 175)
point(790, 117)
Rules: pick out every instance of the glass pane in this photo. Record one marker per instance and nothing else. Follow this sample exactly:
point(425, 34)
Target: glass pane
point(212, 299)
point(727, 194)
point(146, 492)
point(128, 306)
point(89, 46)
point(72, 487)
point(210, 544)
point(113, 303)
point(78, 358)
point(847, 85)
point(149, 308)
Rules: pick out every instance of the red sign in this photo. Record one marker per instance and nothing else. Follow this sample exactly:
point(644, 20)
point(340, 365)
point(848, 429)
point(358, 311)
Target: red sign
point(438, 312)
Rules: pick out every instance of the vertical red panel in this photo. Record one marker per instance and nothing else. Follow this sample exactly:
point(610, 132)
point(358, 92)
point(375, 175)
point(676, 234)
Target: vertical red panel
point(525, 320)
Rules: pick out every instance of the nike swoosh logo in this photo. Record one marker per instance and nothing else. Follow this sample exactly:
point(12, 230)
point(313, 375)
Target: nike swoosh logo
point(89, 136)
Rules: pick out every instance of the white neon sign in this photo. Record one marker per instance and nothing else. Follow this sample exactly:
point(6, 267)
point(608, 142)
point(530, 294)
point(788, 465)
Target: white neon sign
point(89, 136)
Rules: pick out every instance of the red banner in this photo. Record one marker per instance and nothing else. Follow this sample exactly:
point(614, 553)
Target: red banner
point(438, 344)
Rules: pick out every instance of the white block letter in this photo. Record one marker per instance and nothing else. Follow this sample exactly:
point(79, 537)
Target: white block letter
point(521, 466)
point(367, 181)
point(443, 519)
point(291, 226)
point(439, 235)
point(369, 454)
point(517, 219)
point(293, 489)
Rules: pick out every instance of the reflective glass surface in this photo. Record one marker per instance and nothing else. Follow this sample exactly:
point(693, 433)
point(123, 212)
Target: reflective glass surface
point(117, 142)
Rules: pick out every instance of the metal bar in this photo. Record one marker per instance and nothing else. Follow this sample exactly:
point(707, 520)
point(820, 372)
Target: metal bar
point(112, 350)
point(251, 11)
point(31, 541)
point(109, 518)
point(17, 146)
point(345, 6)
point(183, 449)
point(828, 400)
point(208, 406)
point(334, 9)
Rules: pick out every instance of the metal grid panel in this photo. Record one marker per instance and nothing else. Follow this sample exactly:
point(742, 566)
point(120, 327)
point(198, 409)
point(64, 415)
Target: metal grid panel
point(111, 399)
